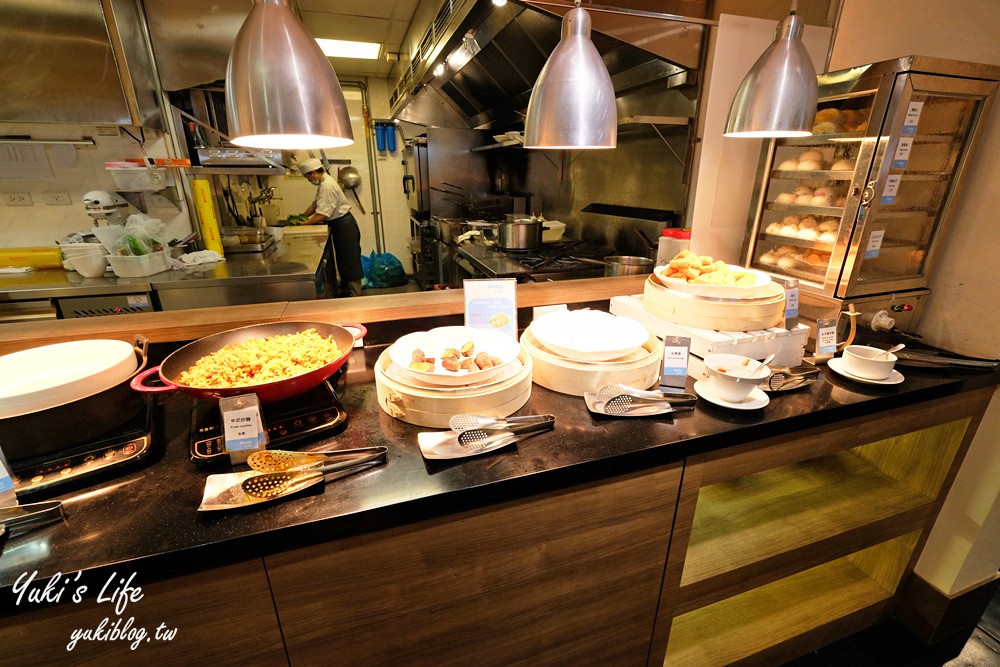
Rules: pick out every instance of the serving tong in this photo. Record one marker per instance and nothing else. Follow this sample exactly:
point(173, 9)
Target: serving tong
point(467, 422)
point(784, 379)
point(620, 399)
point(480, 439)
point(283, 473)
point(17, 519)
point(492, 433)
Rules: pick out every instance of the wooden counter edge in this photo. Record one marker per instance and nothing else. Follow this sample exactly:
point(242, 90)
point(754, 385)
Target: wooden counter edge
point(180, 325)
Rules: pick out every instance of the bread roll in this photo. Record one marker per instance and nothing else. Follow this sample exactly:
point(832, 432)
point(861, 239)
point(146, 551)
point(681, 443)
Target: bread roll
point(810, 165)
point(803, 190)
point(769, 257)
point(840, 202)
point(803, 200)
point(843, 164)
point(829, 116)
point(773, 228)
point(821, 200)
point(826, 128)
point(828, 226)
point(808, 222)
point(786, 262)
point(789, 165)
point(811, 154)
point(792, 220)
point(828, 237)
point(785, 198)
point(823, 190)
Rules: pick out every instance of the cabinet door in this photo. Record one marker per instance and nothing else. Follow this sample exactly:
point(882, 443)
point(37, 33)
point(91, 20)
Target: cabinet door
point(570, 577)
point(810, 191)
point(920, 156)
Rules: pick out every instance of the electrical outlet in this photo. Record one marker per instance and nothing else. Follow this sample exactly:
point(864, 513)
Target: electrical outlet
point(56, 198)
point(17, 198)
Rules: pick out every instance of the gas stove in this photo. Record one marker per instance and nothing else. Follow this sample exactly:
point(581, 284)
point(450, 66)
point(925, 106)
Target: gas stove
point(551, 261)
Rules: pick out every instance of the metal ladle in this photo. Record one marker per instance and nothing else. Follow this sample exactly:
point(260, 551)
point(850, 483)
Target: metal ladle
point(350, 179)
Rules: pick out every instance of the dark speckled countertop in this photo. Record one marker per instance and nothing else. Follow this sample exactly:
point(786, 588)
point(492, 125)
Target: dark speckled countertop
point(147, 516)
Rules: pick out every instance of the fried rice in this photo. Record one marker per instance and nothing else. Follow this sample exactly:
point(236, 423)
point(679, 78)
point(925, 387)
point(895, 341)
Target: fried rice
point(261, 360)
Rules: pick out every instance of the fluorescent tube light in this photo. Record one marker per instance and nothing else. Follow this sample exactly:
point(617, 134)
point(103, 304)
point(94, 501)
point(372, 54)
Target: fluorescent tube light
point(339, 48)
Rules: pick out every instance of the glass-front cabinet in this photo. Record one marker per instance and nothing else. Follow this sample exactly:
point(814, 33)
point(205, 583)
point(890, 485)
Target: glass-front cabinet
point(859, 207)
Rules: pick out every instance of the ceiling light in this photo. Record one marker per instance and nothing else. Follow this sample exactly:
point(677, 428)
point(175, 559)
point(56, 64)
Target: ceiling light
point(778, 96)
point(339, 48)
point(499, 3)
point(573, 102)
point(439, 69)
point(281, 91)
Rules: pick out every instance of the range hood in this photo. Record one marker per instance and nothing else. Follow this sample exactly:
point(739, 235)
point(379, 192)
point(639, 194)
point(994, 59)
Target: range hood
point(491, 57)
point(76, 61)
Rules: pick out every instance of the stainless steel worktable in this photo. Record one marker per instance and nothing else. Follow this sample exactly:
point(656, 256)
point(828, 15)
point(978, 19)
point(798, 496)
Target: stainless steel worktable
point(288, 270)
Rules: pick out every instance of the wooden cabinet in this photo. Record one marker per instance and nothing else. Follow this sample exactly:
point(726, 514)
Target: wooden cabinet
point(783, 545)
point(570, 577)
point(223, 616)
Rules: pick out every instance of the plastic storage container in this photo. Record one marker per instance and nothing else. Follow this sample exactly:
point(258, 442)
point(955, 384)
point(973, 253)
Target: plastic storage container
point(140, 265)
point(552, 231)
point(138, 179)
point(672, 242)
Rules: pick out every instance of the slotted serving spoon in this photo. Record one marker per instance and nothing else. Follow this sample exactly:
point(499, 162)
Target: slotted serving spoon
point(271, 485)
point(467, 422)
point(277, 460)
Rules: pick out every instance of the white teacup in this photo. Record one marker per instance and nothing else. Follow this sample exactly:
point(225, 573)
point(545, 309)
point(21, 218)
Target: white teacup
point(731, 377)
point(869, 363)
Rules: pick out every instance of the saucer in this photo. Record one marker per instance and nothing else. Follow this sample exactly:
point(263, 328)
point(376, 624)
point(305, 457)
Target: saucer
point(756, 400)
point(837, 366)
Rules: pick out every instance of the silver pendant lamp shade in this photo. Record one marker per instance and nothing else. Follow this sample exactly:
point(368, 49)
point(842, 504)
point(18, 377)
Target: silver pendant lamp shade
point(778, 96)
point(281, 91)
point(573, 102)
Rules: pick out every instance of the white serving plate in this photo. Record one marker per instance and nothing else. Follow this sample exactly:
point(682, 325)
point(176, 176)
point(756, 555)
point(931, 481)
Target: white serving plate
point(51, 375)
point(436, 341)
point(758, 289)
point(588, 335)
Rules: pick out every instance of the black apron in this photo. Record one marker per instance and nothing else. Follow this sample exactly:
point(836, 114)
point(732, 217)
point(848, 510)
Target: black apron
point(346, 238)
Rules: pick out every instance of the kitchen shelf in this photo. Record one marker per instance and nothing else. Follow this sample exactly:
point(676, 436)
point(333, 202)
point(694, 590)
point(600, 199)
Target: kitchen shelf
point(814, 139)
point(636, 123)
point(933, 176)
point(801, 243)
point(835, 211)
point(513, 143)
point(763, 618)
point(236, 171)
point(752, 523)
point(818, 175)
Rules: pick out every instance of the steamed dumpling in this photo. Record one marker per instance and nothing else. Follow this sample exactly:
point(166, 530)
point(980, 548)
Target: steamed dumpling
point(773, 228)
point(803, 200)
point(789, 165)
point(843, 164)
point(823, 190)
point(810, 165)
point(811, 154)
point(808, 234)
point(828, 237)
point(785, 198)
point(803, 190)
point(820, 200)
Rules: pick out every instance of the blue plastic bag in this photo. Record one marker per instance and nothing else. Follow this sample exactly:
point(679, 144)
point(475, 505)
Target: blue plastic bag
point(383, 270)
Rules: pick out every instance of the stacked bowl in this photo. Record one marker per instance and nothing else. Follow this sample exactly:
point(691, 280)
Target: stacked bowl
point(88, 259)
point(578, 351)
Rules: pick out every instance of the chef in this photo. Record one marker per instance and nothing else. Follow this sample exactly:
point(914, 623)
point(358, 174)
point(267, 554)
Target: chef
point(331, 207)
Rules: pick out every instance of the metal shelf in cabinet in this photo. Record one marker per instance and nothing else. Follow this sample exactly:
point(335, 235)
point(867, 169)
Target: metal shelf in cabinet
point(815, 139)
point(835, 211)
point(824, 175)
point(800, 243)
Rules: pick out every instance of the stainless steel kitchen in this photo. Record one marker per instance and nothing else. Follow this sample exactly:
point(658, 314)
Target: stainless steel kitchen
point(557, 332)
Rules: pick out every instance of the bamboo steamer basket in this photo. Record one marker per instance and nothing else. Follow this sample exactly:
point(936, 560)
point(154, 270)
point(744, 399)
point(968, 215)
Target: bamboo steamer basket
point(427, 406)
point(717, 314)
point(639, 369)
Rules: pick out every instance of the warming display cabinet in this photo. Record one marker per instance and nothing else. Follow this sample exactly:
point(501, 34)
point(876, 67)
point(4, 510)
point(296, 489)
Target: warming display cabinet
point(858, 209)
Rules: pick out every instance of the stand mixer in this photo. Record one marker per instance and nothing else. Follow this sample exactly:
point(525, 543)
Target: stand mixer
point(105, 208)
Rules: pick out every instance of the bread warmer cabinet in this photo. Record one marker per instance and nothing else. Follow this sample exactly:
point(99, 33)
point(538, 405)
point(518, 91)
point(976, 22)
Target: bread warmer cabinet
point(856, 212)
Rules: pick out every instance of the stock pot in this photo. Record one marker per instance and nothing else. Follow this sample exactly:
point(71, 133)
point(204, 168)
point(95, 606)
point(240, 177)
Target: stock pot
point(519, 234)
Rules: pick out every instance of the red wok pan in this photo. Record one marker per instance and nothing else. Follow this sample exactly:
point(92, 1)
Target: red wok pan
point(267, 392)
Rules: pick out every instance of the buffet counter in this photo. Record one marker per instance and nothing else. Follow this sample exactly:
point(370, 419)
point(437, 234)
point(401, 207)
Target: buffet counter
point(615, 541)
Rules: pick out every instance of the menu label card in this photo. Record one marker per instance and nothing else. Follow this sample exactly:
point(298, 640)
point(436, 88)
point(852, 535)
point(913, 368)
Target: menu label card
point(902, 155)
point(491, 304)
point(912, 117)
point(874, 243)
point(7, 496)
point(826, 337)
point(891, 187)
point(675, 361)
point(242, 426)
point(792, 301)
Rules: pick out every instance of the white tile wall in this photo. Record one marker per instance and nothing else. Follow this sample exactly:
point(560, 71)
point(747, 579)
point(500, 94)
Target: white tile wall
point(77, 171)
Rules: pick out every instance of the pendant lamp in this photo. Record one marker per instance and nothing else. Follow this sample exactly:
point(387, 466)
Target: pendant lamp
point(778, 96)
point(573, 102)
point(281, 91)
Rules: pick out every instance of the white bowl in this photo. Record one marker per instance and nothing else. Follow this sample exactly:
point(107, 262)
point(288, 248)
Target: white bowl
point(44, 377)
point(860, 360)
point(588, 335)
point(86, 249)
point(432, 343)
point(90, 265)
point(730, 377)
